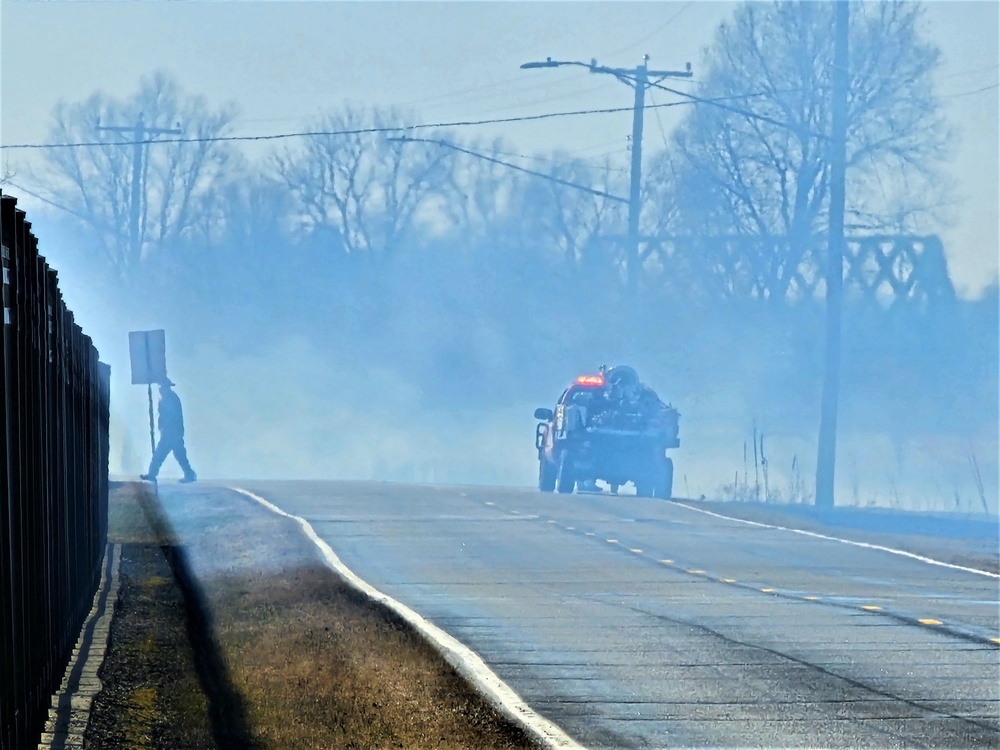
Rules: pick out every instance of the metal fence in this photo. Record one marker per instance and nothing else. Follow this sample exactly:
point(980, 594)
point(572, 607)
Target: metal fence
point(53, 481)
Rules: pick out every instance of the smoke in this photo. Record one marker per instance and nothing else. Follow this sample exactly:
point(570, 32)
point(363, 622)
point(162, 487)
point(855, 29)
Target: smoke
point(430, 371)
point(295, 411)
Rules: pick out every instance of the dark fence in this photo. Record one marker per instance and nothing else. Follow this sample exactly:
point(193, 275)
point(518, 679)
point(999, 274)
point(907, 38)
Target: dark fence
point(53, 482)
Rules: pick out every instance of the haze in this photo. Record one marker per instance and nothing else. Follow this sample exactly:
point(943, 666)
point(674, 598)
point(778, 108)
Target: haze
point(297, 358)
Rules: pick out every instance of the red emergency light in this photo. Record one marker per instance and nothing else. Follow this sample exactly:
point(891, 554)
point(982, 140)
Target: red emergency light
point(591, 380)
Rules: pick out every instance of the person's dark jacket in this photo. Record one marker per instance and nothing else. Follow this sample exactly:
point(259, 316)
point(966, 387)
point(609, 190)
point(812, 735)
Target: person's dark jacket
point(171, 417)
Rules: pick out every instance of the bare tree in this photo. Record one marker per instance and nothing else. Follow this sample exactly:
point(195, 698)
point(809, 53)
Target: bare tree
point(756, 163)
point(576, 223)
point(481, 190)
point(353, 178)
point(178, 181)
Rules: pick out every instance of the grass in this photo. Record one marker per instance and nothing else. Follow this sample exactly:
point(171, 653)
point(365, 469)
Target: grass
point(127, 522)
point(316, 664)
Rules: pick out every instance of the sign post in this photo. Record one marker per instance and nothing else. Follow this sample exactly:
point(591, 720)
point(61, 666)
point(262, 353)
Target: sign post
point(148, 355)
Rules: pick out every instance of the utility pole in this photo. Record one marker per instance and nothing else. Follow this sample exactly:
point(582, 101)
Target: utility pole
point(634, 262)
point(827, 450)
point(639, 79)
point(140, 137)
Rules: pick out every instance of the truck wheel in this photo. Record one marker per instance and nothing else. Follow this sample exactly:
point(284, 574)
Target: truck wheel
point(565, 481)
point(546, 475)
point(665, 480)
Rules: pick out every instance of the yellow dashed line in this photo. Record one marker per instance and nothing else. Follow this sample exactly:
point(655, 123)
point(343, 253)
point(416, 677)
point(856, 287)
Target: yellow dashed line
point(767, 591)
point(871, 607)
point(489, 502)
point(696, 572)
point(550, 521)
point(590, 533)
point(667, 562)
point(516, 512)
point(729, 580)
point(929, 621)
point(611, 541)
point(637, 551)
point(811, 598)
point(570, 528)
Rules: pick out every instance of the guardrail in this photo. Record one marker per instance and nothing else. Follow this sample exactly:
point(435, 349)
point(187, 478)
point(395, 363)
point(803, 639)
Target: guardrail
point(53, 481)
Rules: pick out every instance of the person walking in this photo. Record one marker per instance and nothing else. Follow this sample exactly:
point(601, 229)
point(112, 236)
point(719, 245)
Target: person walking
point(171, 423)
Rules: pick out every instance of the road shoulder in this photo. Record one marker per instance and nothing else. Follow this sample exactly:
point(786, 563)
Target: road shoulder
point(314, 663)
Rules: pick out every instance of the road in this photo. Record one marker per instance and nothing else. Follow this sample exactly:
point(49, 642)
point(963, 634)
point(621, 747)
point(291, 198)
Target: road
point(635, 623)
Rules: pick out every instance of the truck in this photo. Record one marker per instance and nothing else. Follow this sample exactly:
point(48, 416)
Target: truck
point(607, 426)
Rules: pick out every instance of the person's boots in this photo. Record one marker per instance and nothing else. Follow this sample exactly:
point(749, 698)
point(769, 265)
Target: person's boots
point(188, 478)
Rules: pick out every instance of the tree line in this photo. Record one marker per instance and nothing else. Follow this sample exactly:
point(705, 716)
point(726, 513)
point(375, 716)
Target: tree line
point(750, 160)
point(369, 238)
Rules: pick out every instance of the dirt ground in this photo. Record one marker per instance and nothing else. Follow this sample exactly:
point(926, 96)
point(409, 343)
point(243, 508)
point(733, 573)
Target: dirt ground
point(151, 697)
point(287, 656)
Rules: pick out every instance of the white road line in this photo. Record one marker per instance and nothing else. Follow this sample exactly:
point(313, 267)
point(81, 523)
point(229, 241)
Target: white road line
point(460, 656)
point(866, 545)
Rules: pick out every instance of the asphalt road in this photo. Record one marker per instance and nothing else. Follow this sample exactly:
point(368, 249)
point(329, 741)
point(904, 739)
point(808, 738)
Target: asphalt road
point(641, 623)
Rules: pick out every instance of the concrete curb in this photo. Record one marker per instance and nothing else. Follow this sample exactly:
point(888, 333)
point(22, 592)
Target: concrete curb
point(69, 712)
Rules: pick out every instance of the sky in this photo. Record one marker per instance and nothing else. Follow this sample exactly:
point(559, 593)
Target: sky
point(284, 63)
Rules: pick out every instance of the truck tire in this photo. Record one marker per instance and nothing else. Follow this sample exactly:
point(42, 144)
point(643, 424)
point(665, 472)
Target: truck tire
point(665, 481)
point(565, 481)
point(546, 475)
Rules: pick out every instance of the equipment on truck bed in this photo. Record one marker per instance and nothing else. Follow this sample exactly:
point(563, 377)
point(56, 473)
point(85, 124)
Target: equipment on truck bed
point(607, 426)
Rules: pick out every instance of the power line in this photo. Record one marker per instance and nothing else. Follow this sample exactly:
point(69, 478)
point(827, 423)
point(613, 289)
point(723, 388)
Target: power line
point(579, 163)
point(639, 78)
point(480, 92)
point(970, 71)
point(718, 102)
point(486, 157)
point(970, 93)
point(652, 33)
point(631, 78)
point(372, 130)
point(46, 200)
point(604, 144)
point(659, 121)
point(575, 93)
point(352, 131)
point(140, 132)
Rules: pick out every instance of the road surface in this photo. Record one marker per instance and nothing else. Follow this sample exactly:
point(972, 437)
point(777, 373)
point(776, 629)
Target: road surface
point(635, 623)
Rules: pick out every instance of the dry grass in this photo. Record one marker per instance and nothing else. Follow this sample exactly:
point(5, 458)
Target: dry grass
point(317, 664)
point(127, 522)
point(320, 668)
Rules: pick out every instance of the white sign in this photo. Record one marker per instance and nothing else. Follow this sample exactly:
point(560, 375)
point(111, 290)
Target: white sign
point(148, 354)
